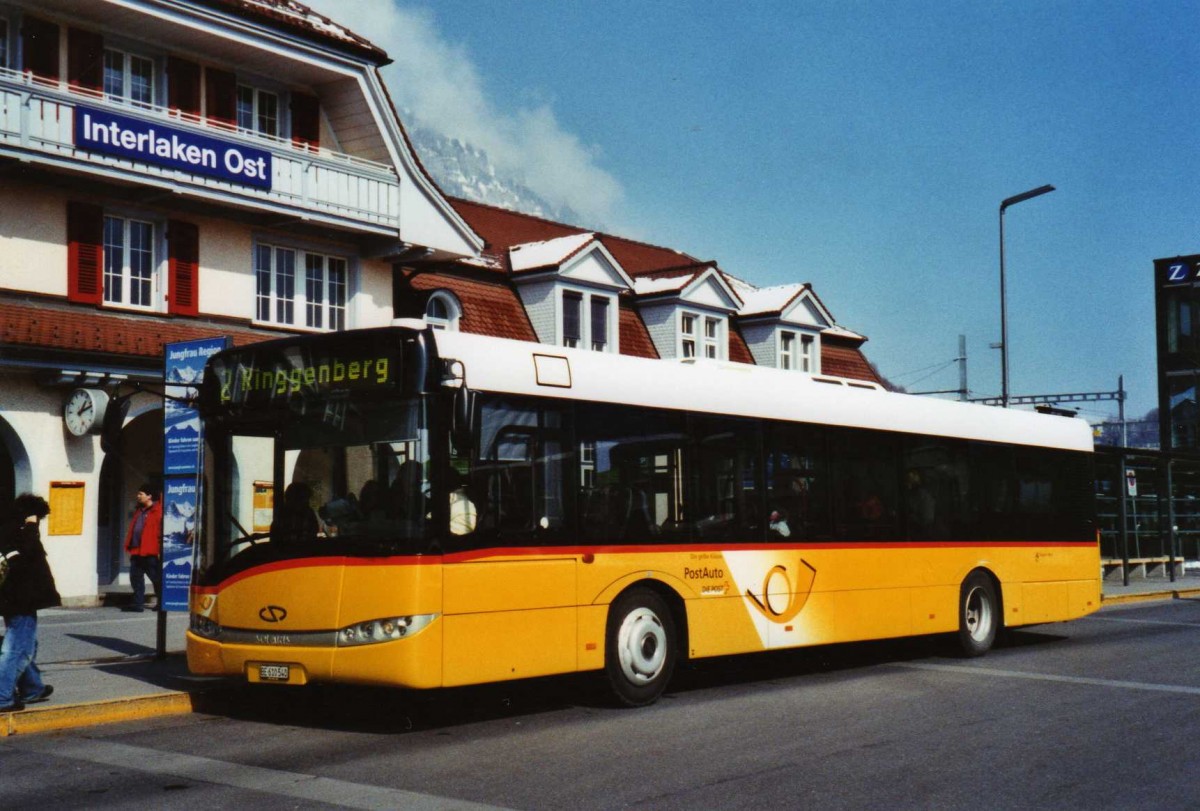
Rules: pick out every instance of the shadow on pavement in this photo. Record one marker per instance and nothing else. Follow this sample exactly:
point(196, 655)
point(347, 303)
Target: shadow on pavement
point(397, 711)
point(124, 647)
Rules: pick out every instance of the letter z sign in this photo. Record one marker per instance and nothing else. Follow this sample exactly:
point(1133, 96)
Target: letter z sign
point(1179, 272)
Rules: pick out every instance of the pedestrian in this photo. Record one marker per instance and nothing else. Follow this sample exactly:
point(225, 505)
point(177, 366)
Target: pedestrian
point(143, 542)
point(28, 587)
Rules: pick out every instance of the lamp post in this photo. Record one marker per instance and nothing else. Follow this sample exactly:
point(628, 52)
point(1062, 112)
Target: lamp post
point(1004, 204)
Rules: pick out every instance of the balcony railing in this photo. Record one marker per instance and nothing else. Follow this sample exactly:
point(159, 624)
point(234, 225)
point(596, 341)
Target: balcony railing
point(36, 117)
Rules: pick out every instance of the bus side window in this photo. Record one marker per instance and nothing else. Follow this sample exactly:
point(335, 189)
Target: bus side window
point(726, 480)
point(866, 485)
point(519, 472)
point(798, 484)
point(935, 489)
point(630, 474)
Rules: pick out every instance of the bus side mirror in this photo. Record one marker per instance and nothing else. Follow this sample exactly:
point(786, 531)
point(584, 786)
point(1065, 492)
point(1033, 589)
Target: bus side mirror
point(461, 413)
point(114, 420)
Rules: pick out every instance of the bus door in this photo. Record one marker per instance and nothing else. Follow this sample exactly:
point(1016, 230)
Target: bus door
point(509, 593)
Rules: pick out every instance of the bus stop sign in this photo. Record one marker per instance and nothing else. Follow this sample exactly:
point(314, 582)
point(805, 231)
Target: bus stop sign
point(1131, 482)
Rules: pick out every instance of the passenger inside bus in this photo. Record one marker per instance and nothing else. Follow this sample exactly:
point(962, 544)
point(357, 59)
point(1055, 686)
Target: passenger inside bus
point(296, 521)
point(788, 518)
point(463, 515)
point(405, 496)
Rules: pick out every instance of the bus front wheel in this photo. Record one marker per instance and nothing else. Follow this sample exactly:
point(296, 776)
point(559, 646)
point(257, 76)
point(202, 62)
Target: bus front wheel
point(640, 653)
point(978, 614)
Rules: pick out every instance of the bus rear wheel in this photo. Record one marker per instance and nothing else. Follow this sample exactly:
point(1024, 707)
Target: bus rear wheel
point(640, 647)
point(978, 614)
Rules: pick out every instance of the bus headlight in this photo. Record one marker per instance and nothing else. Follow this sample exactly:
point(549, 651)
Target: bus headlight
point(203, 626)
point(383, 630)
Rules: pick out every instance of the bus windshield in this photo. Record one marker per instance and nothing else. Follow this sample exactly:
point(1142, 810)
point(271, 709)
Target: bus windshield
point(303, 459)
point(354, 485)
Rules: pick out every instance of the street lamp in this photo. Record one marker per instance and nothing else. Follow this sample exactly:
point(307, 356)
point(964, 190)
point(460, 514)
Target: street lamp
point(1010, 201)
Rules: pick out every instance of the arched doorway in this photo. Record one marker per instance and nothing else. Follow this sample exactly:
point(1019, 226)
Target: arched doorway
point(136, 459)
point(14, 465)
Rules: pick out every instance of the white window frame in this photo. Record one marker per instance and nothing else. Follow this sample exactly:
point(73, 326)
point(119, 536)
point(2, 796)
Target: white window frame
point(122, 94)
point(805, 353)
point(452, 307)
point(702, 335)
point(787, 349)
point(121, 287)
point(687, 335)
point(808, 354)
point(586, 338)
point(283, 276)
point(257, 103)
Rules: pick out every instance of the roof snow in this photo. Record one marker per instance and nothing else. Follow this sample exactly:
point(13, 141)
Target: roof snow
point(757, 301)
point(552, 252)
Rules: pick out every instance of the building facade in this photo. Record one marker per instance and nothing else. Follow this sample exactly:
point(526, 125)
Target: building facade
point(171, 171)
point(185, 169)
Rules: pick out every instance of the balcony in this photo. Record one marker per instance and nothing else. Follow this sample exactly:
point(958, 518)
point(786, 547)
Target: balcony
point(38, 123)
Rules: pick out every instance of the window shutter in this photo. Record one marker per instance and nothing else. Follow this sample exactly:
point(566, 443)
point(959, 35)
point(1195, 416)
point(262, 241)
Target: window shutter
point(40, 47)
point(220, 97)
point(85, 60)
point(85, 253)
point(183, 86)
point(183, 268)
point(306, 120)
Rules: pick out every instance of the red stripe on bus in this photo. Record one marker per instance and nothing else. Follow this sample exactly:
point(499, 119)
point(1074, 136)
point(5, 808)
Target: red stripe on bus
point(645, 549)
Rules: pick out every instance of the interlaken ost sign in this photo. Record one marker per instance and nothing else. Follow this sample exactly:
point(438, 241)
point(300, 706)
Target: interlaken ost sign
point(152, 142)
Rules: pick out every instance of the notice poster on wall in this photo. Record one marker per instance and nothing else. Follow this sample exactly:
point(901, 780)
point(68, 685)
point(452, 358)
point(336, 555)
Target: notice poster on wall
point(183, 442)
point(178, 540)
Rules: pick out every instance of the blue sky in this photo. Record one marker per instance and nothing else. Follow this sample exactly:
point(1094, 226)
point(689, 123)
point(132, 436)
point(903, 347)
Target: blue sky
point(860, 146)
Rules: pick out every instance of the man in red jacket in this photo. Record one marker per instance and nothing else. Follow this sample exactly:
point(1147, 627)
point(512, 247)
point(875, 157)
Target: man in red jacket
point(143, 542)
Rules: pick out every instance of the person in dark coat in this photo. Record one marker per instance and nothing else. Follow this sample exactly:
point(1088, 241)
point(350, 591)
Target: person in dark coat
point(28, 587)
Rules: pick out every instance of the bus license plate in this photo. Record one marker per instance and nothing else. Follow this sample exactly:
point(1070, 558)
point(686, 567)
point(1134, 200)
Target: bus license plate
point(274, 672)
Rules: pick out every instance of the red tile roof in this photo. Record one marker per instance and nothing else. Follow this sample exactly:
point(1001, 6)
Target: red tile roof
point(501, 229)
point(739, 352)
point(489, 307)
point(299, 19)
point(635, 338)
point(842, 360)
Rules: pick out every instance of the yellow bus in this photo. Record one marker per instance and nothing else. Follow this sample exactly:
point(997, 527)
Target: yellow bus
point(421, 508)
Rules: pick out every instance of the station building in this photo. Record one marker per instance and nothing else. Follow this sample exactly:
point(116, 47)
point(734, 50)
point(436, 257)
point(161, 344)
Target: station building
point(185, 169)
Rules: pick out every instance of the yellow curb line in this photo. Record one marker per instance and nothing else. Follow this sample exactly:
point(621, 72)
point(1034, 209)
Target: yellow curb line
point(1175, 594)
point(46, 719)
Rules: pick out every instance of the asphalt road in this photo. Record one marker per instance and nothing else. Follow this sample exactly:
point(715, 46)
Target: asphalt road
point(1100, 713)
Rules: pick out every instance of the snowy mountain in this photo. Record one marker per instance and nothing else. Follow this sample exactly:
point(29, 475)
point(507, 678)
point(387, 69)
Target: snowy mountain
point(463, 170)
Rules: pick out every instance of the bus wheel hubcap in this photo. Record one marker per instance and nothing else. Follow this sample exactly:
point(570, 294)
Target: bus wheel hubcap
point(642, 646)
point(978, 614)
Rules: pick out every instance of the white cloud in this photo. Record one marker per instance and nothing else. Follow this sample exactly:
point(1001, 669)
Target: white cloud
point(438, 81)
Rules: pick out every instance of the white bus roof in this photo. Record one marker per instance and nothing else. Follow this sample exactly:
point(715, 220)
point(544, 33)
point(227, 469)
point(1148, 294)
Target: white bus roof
point(715, 387)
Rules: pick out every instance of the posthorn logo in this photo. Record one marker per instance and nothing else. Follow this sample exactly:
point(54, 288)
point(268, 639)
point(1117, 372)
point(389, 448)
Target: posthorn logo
point(272, 613)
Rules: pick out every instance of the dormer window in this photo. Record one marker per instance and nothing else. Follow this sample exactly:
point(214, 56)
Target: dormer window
point(587, 320)
point(787, 350)
point(807, 354)
point(701, 336)
point(687, 334)
point(442, 311)
point(712, 337)
point(599, 324)
point(797, 351)
point(128, 78)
